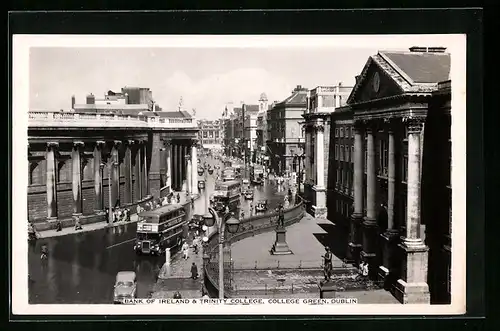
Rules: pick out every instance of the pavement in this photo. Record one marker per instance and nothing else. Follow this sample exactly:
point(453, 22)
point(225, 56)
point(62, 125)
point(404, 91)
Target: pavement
point(301, 237)
point(176, 276)
point(97, 226)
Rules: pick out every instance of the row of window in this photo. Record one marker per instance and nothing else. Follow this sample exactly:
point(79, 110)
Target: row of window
point(344, 153)
point(344, 178)
point(343, 208)
point(344, 132)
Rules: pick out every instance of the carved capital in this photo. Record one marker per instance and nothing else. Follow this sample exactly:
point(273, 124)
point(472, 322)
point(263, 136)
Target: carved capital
point(130, 142)
point(100, 143)
point(414, 124)
point(117, 143)
point(167, 142)
point(359, 126)
point(78, 144)
point(52, 144)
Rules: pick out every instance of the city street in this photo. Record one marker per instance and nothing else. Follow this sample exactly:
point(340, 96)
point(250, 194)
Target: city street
point(82, 267)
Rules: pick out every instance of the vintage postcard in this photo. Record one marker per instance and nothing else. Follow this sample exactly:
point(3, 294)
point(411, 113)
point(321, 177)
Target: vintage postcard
point(240, 175)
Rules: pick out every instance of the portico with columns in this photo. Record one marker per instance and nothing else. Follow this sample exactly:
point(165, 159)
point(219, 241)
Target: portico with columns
point(71, 174)
point(392, 108)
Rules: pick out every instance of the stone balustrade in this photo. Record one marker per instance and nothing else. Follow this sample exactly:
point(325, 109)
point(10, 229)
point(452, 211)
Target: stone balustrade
point(45, 119)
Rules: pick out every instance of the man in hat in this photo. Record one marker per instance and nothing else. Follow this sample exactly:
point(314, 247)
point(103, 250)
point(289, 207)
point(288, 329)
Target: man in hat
point(327, 258)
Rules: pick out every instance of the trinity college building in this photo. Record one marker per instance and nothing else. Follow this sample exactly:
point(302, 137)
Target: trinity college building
point(388, 185)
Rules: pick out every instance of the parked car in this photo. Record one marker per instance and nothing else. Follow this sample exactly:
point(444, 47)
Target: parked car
point(125, 286)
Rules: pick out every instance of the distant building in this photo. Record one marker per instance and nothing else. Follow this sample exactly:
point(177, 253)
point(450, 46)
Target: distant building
point(130, 101)
point(285, 136)
point(322, 101)
point(210, 134)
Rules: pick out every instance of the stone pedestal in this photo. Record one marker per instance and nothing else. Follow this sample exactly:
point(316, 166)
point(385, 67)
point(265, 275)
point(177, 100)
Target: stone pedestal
point(412, 288)
point(280, 247)
point(326, 290)
point(319, 208)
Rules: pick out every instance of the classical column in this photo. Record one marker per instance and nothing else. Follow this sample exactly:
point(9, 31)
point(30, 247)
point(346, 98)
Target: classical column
point(320, 155)
point(389, 236)
point(358, 178)
point(194, 168)
point(128, 171)
point(308, 155)
point(115, 165)
point(145, 179)
point(413, 286)
point(137, 172)
point(319, 207)
point(77, 177)
point(50, 158)
point(370, 221)
point(98, 167)
point(168, 163)
point(175, 166)
point(189, 168)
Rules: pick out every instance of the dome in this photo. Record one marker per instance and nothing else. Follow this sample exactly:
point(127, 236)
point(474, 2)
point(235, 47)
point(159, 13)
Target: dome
point(263, 97)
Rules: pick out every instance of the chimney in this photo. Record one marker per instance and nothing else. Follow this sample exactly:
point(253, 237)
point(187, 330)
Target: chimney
point(126, 98)
point(340, 84)
point(416, 49)
point(357, 78)
point(436, 49)
point(90, 99)
point(73, 102)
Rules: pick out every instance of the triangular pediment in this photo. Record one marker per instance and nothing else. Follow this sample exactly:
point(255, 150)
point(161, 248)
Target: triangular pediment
point(374, 83)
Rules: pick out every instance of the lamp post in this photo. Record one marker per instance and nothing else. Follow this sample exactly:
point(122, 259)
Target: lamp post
point(228, 220)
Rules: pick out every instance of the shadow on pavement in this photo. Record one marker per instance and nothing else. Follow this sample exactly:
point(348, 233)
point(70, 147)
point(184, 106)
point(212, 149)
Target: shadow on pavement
point(336, 238)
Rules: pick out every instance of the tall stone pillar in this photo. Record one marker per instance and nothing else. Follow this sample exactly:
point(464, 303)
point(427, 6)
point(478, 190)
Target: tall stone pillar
point(194, 168)
point(389, 236)
point(76, 178)
point(51, 180)
point(182, 161)
point(307, 166)
point(115, 166)
point(137, 172)
point(168, 163)
point(175, 167)
point(355, 239)
point(145, 178)
point(154, 165)
point(98, 173)
point(319, 208)
point(412, 286)
point(189, 168)
point(128, 172)
point(370, 221)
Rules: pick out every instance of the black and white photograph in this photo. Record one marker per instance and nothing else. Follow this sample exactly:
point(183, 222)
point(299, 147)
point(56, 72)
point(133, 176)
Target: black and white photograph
point(248, 174)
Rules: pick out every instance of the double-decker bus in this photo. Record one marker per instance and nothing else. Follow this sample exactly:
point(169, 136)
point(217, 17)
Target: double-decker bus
point(228, 174)
point(159, 229)
point(227, 194)
point(257, 174)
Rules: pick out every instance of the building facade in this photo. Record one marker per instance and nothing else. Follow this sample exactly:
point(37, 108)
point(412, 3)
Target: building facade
point(398, 122)
point(210, 134)
point(322, 101)
point(80, 163)
point(285, 134)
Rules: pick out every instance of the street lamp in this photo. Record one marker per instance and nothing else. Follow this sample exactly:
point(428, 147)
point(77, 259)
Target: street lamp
point(226, 221)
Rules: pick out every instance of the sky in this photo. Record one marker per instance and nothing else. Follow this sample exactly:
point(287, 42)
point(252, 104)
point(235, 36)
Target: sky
point(206, 78)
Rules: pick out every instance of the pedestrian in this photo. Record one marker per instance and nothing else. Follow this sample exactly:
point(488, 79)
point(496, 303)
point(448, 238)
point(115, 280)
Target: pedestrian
point(194, 271)
point(178, 198)
point(58, 226)
point(78, 226)
point(365, 270)
point(185, 250)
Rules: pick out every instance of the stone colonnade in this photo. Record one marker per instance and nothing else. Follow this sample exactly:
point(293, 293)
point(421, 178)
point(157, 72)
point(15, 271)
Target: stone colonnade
point(181, 159)
point(411, 286)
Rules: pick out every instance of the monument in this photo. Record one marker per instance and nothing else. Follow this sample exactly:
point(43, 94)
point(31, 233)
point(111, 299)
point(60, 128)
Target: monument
point(280, 246)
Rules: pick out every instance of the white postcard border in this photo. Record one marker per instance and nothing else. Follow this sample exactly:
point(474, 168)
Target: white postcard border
point(456, 45)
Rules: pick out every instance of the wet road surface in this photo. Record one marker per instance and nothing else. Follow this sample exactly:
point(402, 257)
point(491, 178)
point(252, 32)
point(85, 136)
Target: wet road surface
point(81, 268)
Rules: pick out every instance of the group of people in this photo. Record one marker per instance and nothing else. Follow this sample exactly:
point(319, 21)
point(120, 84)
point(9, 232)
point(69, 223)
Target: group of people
point(119, 214)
